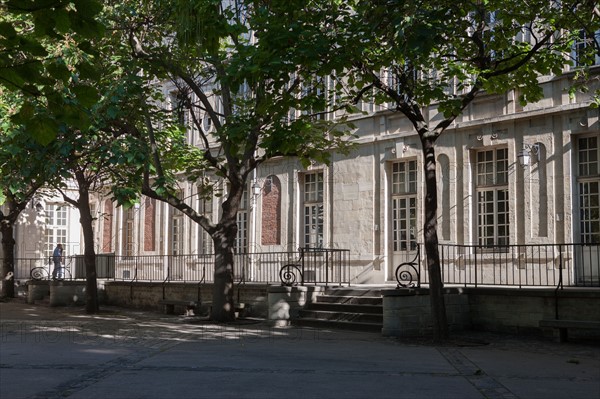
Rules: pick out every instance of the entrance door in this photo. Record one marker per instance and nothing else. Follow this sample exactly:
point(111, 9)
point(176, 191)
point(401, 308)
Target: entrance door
point(404, 214)
point(588, 256)
point(587, 260)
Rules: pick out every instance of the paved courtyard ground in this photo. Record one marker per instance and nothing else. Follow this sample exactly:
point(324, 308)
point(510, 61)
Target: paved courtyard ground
point(121, 353)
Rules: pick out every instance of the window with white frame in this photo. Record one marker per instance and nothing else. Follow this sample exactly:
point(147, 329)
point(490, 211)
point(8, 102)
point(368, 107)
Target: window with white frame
point(205, 241)
point(56, 227)
point(315, 91)
point(588, 181)
point(584, 49)
point(241, 240)
point(177, 237)
point(404, 205)
point(313, 210)
point(94, 213)
point(179, 108)
point(493, 226)
point(128, 228)
point(484, 22)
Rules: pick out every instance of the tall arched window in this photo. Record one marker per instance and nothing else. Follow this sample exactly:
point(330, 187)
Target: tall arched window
point(444, 206)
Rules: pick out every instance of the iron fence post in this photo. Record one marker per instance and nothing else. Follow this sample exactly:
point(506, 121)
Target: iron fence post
point(326, 269)
point(476, 266)
point(302, 265)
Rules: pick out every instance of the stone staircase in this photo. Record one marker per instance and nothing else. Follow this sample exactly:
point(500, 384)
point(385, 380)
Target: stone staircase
point(344, 308)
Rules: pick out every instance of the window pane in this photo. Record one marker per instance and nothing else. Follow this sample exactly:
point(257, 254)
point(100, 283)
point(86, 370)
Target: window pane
point(404, 213)
point(313, 209)
point(492, 208)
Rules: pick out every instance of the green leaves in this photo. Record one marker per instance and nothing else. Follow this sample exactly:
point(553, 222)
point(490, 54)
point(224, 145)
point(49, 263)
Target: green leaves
point(86, 95)
point(42, 51)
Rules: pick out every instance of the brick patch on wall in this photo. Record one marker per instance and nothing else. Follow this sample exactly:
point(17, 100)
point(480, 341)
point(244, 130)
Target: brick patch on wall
point(271, 212)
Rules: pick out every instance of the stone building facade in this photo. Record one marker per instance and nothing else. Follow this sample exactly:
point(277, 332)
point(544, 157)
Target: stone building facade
point(507, 175)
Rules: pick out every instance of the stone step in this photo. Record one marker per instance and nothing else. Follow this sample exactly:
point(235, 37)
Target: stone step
point(354, 292)
point(45, 301)
point(351, 300)
point(338, 325)
point(359, 309)
point(346, 307)
point(350, 317)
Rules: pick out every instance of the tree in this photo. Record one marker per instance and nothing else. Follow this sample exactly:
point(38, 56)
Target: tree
point(91, 157)
point(38, 40)
point(25, 166)
point(86, 158)
point(243, 67)
point(424, 55)
point(80, 143)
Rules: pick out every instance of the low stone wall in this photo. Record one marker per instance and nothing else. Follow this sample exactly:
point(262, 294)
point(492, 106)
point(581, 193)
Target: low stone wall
point(37, 290)
point(520, 310)
point(61, 293)
point(66, 293)
point(407, 312)
point(144, 295)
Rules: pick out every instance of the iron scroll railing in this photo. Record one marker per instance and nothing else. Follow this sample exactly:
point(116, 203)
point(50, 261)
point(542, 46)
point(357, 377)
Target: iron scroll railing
point(408, 274)
point(534, 265)
point(315, 265)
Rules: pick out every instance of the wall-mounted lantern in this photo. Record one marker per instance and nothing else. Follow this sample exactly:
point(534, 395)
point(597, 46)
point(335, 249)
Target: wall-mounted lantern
point(529, 151)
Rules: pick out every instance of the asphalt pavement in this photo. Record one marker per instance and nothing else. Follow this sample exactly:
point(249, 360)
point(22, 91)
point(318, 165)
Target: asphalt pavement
point(122, 353)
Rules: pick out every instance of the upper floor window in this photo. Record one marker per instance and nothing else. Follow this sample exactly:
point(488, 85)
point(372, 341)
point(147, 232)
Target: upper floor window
point(314, 96)
point(585, 49)
point(588, 156)
point(179, 107)
point(404, 177)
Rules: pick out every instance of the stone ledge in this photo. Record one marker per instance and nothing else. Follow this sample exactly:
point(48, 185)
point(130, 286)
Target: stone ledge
point(567, 292)
point(278, 289)
point(421, 291)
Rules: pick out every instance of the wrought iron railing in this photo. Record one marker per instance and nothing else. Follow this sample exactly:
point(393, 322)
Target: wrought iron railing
point(319, 266)
point(532, 265)
point(536, 265)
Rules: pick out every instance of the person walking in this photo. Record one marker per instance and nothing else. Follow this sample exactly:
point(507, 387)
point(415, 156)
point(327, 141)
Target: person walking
point(57, 258)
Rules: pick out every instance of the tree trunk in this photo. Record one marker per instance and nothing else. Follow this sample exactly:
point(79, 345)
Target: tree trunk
point(223, 306)
point(8, 260)
point(89, 254)
point(436, 285)
point(224, 242)
point(89, 258)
